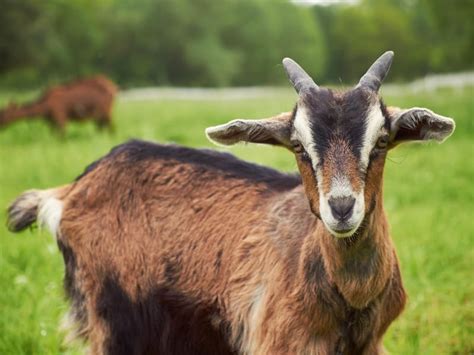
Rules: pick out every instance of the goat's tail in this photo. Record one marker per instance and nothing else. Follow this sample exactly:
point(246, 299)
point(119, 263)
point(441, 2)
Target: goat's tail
point(44, 206)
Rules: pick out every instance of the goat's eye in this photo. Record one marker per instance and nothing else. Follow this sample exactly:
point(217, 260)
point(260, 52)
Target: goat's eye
point(382, 142)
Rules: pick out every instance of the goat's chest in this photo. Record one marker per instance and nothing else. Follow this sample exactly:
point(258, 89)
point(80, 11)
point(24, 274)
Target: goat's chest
point(356, 330)
point(349, 330)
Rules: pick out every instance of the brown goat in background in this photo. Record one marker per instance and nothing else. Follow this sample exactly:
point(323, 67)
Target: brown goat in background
point(83, 99)
point(172, 250)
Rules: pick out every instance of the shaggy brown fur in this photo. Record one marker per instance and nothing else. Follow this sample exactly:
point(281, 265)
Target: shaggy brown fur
point(83, 99)
point(195, 252)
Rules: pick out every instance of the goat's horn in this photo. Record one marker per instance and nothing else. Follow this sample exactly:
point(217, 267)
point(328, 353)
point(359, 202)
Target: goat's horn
point(377, 72)
point(300, 80)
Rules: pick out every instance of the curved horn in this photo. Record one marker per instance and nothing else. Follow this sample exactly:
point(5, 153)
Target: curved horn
point(377, 72)
point(298, 77)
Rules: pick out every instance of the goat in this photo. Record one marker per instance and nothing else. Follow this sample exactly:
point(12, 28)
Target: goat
point(173, 250)
point(89, 98)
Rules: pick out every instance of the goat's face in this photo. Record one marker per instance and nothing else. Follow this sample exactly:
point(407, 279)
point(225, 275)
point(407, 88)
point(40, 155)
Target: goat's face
point(340, 141)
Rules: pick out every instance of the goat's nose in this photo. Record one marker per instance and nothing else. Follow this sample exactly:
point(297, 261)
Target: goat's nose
point(341, 207)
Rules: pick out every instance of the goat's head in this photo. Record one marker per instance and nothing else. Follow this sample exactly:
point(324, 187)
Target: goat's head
point(8, 114)
point(340, 141)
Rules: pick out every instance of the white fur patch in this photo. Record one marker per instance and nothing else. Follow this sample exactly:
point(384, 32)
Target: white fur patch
point(340, 187)
point(302, 127)
point(50, 211)
point(255, 318)
point(375, 122)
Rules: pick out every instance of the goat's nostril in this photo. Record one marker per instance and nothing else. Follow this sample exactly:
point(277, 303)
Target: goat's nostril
point(341, 207)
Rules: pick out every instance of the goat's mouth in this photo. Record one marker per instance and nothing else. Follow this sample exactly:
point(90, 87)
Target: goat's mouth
point(343, 233)
point(344, 230)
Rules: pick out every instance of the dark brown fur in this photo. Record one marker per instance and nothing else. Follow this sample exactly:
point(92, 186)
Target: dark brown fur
point(89, 98)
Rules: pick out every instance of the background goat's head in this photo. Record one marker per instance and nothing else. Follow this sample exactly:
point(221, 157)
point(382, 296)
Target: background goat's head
point(340, 141)
point(8, 114)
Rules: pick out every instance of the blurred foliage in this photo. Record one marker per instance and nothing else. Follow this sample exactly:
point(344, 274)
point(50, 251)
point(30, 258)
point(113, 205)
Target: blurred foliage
point(228, 42)
point(428, 36)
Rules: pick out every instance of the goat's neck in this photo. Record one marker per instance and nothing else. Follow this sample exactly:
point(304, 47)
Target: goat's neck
point(33, 109)
point(358, 268)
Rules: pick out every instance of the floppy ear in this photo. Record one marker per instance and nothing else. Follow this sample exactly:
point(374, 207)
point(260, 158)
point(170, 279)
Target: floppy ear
point(274, 130)
point(418, 124)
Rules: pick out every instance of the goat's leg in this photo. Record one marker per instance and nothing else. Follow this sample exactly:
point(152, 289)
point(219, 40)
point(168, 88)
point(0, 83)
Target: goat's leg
point(104, 120)
point(59, 119)
point(98, 339)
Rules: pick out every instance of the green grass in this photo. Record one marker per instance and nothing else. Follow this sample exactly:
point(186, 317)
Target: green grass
point(428, 196)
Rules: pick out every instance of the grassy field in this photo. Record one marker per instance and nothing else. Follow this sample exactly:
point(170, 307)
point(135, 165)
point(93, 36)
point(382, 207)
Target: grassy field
point(429, 194)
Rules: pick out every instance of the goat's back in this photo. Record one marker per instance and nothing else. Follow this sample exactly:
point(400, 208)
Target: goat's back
point(94, 94)
point(149, 233)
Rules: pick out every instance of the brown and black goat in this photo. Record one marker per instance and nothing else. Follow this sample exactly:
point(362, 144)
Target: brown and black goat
point(172, 250)
point(89, 98)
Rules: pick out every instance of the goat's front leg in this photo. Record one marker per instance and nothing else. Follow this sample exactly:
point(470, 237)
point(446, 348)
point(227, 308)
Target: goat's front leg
point(98, 337)
point(59, 119)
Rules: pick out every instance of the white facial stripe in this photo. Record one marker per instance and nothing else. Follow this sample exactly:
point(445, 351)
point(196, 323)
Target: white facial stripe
point(375, 121)
point(340, 187)
point(303, 133)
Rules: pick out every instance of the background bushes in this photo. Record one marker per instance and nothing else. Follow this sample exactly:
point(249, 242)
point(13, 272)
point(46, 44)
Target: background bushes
point(227, 43)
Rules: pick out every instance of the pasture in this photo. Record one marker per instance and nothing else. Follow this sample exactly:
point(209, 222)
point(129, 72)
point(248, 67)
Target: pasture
point(429, 194)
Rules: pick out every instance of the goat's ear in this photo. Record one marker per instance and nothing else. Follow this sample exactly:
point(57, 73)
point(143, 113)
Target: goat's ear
point(418, 124)
point(274, 130)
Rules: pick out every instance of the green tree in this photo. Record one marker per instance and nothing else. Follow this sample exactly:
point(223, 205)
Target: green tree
point(359, 34)
point(46, 41)
point(263, 35)
point(453, 45)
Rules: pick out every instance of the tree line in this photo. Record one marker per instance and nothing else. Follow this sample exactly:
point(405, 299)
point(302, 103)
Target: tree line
point(227, 42)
